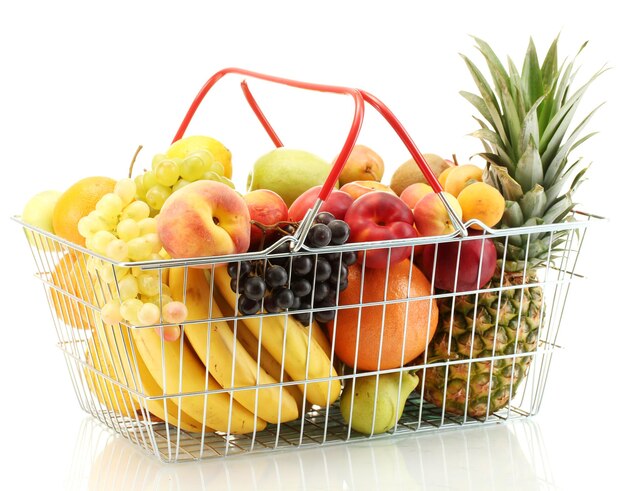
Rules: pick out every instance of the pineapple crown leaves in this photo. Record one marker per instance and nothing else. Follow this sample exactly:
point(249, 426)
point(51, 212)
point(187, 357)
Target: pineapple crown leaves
point(524, 129)
point(526, 126)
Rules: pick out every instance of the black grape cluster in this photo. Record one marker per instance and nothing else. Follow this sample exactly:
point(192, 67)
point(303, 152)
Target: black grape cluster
point(297, 282)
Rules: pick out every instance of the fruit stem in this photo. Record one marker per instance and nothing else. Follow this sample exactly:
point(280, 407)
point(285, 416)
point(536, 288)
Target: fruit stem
point(456, 162)
point(132, 162)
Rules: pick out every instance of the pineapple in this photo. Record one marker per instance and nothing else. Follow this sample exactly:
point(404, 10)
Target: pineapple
point(527, 135)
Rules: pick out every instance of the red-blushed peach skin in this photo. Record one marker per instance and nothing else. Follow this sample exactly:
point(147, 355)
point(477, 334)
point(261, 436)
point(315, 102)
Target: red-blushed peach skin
point(204, 218)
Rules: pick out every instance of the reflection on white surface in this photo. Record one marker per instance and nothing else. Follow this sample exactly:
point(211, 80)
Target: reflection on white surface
point(507, 456)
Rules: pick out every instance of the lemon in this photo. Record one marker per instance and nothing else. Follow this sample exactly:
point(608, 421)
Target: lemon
point(183, 147)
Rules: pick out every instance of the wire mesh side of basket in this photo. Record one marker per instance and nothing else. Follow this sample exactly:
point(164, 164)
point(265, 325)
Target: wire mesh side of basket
point(111, 381)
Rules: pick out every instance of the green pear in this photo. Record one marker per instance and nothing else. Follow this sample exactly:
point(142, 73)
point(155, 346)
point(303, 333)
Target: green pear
point(386, 401)
point(288, 172)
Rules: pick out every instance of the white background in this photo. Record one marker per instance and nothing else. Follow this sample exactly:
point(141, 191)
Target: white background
point(83, 83)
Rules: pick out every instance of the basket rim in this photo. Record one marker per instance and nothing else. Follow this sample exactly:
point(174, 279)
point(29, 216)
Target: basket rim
point(581, 220)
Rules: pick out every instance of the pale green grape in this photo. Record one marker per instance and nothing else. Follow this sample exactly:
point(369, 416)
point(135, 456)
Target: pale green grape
point(163, 299)
point(192, 168)
point(155, 243)
point(141, 191)
point(167, 172)
point(211, 176)
point(110, 206)
point(101, 222)
point(126, 189)
point(117, 250)
point(148, 285)
point(180, 184)
point(86, 227)
point(205, 155)
point(216, 167)
point(97, 222)
point(147, 226)
point(166, 292)
point(149, 180)
point(128, 229)
point(100, 241)
point(157, 195)
point(128, 287)
point(137, 210)
point(228, 182)
point(149, 314)
point(120, 272)
point(110, 313)
point(174, 312)
point(129, 309)
point(105, 273)
point(139, 249)
point(157, 159)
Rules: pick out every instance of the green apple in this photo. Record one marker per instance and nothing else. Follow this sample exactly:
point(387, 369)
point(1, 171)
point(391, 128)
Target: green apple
point(38, 213)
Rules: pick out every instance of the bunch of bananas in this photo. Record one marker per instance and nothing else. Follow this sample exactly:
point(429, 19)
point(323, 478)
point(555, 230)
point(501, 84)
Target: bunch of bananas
point(232, 377)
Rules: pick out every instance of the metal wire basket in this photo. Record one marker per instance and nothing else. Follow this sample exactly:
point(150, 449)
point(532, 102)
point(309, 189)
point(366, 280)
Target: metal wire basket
point(161, 395)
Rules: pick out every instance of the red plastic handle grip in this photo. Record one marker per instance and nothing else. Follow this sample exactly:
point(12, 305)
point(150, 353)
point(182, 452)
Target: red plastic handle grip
point(381, 108)
point(355, 128)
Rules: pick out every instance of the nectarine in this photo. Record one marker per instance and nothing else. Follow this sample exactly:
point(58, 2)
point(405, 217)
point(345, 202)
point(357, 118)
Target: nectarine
point(267, 208)
point(431, 216)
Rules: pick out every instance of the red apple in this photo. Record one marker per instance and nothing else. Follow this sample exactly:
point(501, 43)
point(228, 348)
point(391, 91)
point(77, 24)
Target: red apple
point(476, 254)
point(337, 203)
point(380, 216)
point(267, 208)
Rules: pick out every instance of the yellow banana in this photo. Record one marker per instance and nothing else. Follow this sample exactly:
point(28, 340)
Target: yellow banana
point(228, 361)
point(269, 364)
point(116, 345)
point(176, 368)
point(111, 395)
point(283, 329)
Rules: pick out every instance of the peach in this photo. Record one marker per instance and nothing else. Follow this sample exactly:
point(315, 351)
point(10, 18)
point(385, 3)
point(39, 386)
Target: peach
point(359, 188)
point(460, 176)
point(267, 208)
point(482, 202)
point(415, 192)
point(204, 218)
point(363, 164)
point(431, 216)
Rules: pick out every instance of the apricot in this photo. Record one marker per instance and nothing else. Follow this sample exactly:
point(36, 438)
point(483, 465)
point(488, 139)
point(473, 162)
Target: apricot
point(459, 177)
point(482, 202)
point(443, 177)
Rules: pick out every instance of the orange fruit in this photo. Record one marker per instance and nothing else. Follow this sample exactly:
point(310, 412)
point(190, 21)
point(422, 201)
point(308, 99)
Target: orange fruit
point(75, 203)
point(420, 320)
point(71, 277)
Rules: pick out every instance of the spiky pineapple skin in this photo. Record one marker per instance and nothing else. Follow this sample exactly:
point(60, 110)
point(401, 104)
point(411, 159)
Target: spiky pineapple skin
point(517, 309)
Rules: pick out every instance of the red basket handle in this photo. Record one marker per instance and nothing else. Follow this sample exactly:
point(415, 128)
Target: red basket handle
point(357, 120)
point(359, 97)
